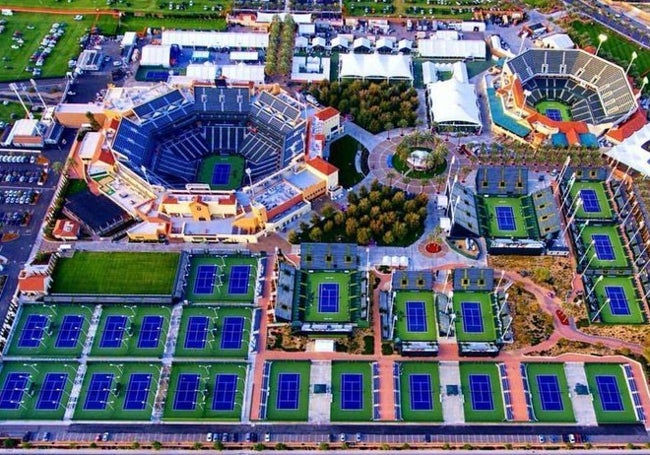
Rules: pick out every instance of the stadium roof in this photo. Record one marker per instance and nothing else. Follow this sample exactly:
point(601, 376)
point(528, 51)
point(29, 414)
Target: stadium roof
point(376, 66)
point(558, 41)
point(454, 100)
point(216, 39)
point(329, 256)
point(444, 48)
point(412, 280)
point(634, 151)
point(154, 55)
point(473, 279)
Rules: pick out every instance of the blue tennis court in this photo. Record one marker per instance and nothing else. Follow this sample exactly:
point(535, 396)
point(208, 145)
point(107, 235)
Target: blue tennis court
point(554, 114)
point(472, 317)
point(238, 281)
point(204, 281)
point(549, 392)
point(288, 393)
point(590, 202)
point(49, 398)
point(137, 391)
point(13, 390)
point(69, 331)
point(113, 331)
point(197, 332)
point(32, 332)
point(481, 392)
point(603, 247)
point(225, 387)
point(416, 317)
point(610, 395)
point(186, 391)
point(150, 332)
point(98, 390)
point(420, 387)
point(351, 391)
point(618, 304)
point(328, 298)
point(232, 332)
point(221, 174)
point(505, 218)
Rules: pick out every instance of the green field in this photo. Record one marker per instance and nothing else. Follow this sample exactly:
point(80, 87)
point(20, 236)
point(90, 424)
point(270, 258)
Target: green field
point(420, 415)
point(301, 413)
point(129, 342)
point(497, 413)
point(11, 112)
point(489, 333)
point(627, 415)
point(27, 401)
point(213, 341)
point(337, 413)
point(565, 112)
point(443, 9)
point(401, 329)
point(565, 415)
point(491, 203)
point(203, 409)
point(315, 279)
point(115, 273)
point(142, 23)
point(115, 399)
point(236, 171)
point(603, 201)
point(620, 258)
point(221, 293)
point(634, 303)
point(47, 346)
point(122, 5)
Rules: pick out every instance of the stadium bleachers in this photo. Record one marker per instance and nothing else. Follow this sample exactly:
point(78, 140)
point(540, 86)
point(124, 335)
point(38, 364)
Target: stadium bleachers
point(502, 180)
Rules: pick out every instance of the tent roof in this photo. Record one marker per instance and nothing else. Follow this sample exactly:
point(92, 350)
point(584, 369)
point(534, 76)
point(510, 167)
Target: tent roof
point(405, 44)
point(361, 42)
point(376, 66)
point(216, 39)
point(340, 41)
point(454, 99)
point(155, 55)
point(559, 41)
point(634, 151)
point(202, 72)
point(243, 73)
point(266, 18)
point(441, 48)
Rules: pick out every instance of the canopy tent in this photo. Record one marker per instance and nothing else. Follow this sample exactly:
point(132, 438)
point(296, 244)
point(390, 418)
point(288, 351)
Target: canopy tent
point(154, 55)
point(376, 66)
point(443, 48)
point(216, 39)
point(634, 151)
point(453, 102)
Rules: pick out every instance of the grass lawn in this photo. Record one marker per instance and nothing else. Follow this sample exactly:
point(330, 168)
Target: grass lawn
point(199, 403)
point(627, 414)
point(342, 411)
point(563, 108)
point(598, 188)
point(515, 203)
point(115, 273)
point(110, 403)
point(292, 407)
point(37, 401)
point(563, 415)
point(420, 332)
point(141, 23)
point(11, 112)
point(415, 405)
point(342, 155)
point(489, 333)
point(634, 304)
point(458, 10)
point(206, 170)
point(490, 404)
point(315, 280)
point(223, 265)
point(122, 5)
point(620, 258)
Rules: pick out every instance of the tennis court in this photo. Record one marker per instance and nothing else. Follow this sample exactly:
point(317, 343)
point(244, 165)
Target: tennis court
point(481, 388)
point(14, 387)
point(595, 203)
point(137, 391)
point(204, 280)
point(222, 172)
point(607, 250)
point(150, 332)
point(416, 316)
point(33, 330)
point(471, 317)
point(554, 110)
point(196, 335)
point(603, 247)
point(351, 392)
point(617, 301)
point(549, 392)
point(238, 280)
point(505, 217)
point(187, 391)
point(49, 397)
point(328, 297)
point(420, 392)
point(220, 279)
point(225, 390)
point(288, 391)
point(475, 317)
point(590, 202)
point(232, 332)
point(554, 114)
point(611, 395)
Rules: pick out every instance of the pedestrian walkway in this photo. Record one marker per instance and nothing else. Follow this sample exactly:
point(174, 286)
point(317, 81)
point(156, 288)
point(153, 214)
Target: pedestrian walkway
point(386, 392)
point(516, 382)
point(583, 407)
point(450, 393)
point(320, 403)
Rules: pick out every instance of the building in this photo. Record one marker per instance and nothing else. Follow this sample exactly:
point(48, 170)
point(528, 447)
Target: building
point(634, 152)
point(558, 41)
point(325, 170)
point(446, 47)
point(67, 230)
point(28, 133)
point(327, 122)
point(376, 66)
point(156, 55)
point(90, 60)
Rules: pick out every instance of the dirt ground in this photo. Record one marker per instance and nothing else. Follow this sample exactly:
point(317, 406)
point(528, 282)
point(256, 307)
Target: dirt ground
point(530, 325)
point(281, 339)
point(564, 346)
point(639, 334)
point(560, 268)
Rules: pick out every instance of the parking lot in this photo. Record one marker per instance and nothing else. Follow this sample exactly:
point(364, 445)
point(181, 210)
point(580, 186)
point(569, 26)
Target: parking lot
point(21, 179)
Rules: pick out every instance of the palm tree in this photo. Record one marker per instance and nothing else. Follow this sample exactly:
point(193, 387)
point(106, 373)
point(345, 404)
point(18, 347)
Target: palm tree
point(390, 175)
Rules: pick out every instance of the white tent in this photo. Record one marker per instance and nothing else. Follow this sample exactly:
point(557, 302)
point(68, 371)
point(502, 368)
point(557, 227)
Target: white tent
point(405, 45)
point(376, 66)
point(243, 73)
point(155, 55)
point(301, 42)
point(442, 48)
point(454, 101)
point(558, 41)
point(318, 42)
point(247, 56)
point(385, 43)
point(306, 29)
point(202, 72)
point(361, 42)
point(128, 39)
point(632, 153)
point(429, 73)
point(216, 39)
point(340, 41)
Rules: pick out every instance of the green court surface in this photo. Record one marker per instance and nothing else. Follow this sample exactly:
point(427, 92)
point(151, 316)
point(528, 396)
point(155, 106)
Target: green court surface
point(236, 174)
point(36, 400)
point(358, 407)
point(313, 307)
point(134, 339)
point(634, 304)
point(627, 414)
point(122, 399)
point(285, 407)
point(115, 273)
point(221, 290)
point(216, 344)
point(605, 211)
point(419, 332)
point(563, 415)
point(44, 342)
point(491, 203)
point(186, 403)
point(563, 108)
point(490, 405)
point(470, 330)
point(411, 410)
point(620, 258)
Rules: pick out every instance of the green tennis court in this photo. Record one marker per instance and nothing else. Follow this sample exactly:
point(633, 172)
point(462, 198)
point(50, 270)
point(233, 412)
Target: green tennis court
point(611, 395)
point(420, 392)
point(416, 316)
point(595, 203)
point(475, 320)
point(222, 172)
point(481, 388)
point(554, 110)
point(328, 297)
point(607, 251)
point(549, 392)
point(220, 279)
point(505, 217)
point(288, 394)
point(351, 392)
point(618, 301)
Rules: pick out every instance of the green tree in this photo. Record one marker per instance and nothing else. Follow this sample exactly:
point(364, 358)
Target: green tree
point(363, 236)
point(388, 238)
point(94, 124)
point(156, 445)
point(293, 237)
point(315, 234)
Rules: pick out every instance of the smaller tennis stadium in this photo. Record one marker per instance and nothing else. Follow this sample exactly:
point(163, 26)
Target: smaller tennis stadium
point(286, 397)
point(222, 172)
point(608, 384)
point(481, 387)
point(416, 316)
point(602, 248)
point(329, 297)
point(419, 392)
point(220, 279)
point(352, 392)
point(595, 203)
point(547, 393)
point(615, 300)
point(506, 217)
point(475, 317)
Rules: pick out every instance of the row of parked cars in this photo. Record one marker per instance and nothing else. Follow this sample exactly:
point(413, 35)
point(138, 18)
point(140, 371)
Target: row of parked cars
point(13, 218)
point(19, 196)
point(17, 159)
point(20, 175)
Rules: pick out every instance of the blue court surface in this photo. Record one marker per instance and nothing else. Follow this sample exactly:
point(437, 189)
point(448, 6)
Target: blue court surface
point(225, 388)
point(113, 331)
point(49, 398)
point(12, 393)
point(554, 114)
point(150, 332)
point(416, 317)
point(238, 281)
point(472, 317)
point(420, 387)
point(603, 247)
point(32, 333)
point(137, 391)
point(98, 390)
point(328, 298)
point(505, 218)
point(221, 174)
point(288, 393)
point(590, 202)
point(204, 281)
point(351, 391)
point(549, 392)
point(186, 391)
point(69, 331)
point(197, 332)
point(481, 392)
point(610, 395)
point(617, 301)
point(232, 332)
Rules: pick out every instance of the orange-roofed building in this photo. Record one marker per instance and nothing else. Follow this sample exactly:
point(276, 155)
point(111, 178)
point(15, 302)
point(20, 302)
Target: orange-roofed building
point(628, 128)
point(325, 170)
point(67, 230)
point(327, 122)
point(36, 284)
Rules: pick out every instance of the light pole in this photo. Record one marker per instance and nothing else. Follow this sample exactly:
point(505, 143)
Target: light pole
point(583, 228)
point(641, 224)
point(601, 39)
point(593, 256)
point(591, 244)
point(632, 58)
point(591, 290)
point(600, 309)
point(634, 204)
point(572, 217)
point(647, 244)
point(643, 84)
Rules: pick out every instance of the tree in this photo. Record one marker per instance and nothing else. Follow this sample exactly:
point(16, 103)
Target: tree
point(363, 236)
point(316, 234)
point(293, 237)
point(94, 124)
point(156, 445)
point(388, 238)
point(57, 167)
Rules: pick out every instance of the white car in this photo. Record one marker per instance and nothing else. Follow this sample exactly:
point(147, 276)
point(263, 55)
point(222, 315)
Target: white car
point(208, 437)
point(78, 17)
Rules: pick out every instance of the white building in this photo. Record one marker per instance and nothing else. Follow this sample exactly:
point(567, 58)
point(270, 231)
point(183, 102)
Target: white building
point(154, 55)
point(634, 151)
point(376, 66)
point(452, 49)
